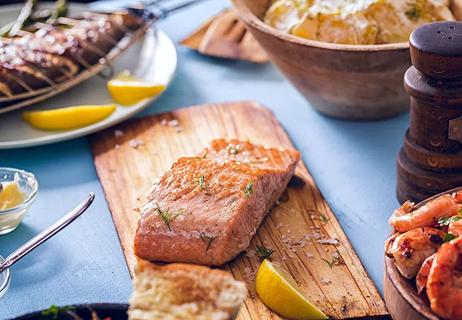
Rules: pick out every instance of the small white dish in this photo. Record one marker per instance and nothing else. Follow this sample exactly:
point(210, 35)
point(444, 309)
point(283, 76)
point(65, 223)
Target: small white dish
point(12, 217)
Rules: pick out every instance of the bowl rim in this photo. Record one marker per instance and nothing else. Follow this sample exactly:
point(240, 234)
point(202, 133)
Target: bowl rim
point(251, 19)
point(402, 284)
point(31, 197)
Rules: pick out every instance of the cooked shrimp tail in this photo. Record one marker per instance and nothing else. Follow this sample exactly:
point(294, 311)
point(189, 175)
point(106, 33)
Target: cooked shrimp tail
point(408, 217)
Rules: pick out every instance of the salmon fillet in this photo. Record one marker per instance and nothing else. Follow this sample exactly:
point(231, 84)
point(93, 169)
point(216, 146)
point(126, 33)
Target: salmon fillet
point(206, 209)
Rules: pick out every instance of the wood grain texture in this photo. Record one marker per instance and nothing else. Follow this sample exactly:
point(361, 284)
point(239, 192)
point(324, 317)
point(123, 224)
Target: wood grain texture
point(294, 228)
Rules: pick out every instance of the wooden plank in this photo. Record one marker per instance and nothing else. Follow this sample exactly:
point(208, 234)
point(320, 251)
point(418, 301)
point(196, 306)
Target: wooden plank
point(294, 228)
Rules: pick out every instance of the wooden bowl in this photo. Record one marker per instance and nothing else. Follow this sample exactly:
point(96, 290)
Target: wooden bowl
point(401, 297)
point(346, 81)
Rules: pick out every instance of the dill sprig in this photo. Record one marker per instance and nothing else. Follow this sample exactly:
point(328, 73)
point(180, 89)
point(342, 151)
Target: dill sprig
point(207, 239)
point(167, 216)
point(415, 10)
point(54, 312)
point(447, 221)
point(336, 260)
point(448, 237)
point(202, 182)
point(232, 149)
point(264, 252)
point(323, 218)
point(248, 189)
point(206, 153)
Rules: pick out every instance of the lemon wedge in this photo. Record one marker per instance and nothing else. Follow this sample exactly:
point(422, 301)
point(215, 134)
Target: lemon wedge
point(126, 89)
point(279, 292)
point(11, 195)
point(69, 117)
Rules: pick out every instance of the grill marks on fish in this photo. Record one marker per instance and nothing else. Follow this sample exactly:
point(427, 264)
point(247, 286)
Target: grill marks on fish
point(46, 54)
point(223, 212)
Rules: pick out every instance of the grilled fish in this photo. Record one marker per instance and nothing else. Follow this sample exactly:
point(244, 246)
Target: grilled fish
point(206, 209)
point(48, 54)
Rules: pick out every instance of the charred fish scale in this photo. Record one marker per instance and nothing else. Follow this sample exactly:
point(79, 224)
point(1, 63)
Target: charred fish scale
point(206, 209)
point(46, 54)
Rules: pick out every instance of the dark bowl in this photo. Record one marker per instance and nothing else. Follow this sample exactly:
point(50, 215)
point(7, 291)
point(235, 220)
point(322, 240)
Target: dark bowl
point(103, 310)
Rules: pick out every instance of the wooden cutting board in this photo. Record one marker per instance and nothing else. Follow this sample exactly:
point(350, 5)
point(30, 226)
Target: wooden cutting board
point(306, 235)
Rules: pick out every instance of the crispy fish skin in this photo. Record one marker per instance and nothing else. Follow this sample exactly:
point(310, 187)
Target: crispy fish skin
point(206, 209)
point(50, 54)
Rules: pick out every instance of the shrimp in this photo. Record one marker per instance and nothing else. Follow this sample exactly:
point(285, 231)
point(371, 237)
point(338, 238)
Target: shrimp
point(455, 228)
point(444, 285)
point(407, 217)
point(422, 275)
point(389, 244)
point(410, 249)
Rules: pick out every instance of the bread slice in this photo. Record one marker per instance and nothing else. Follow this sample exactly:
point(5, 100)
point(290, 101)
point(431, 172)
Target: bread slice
point(184, 291)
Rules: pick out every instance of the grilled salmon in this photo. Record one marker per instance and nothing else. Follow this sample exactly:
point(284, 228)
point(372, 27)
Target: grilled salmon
point(207, 208)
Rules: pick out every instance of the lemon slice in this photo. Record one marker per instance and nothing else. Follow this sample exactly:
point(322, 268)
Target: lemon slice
point(11, 195)
point(127, 90)
point(69, 117)
point(279, 292)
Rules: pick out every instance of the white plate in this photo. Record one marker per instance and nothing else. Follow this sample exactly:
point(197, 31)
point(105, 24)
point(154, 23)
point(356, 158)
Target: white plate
point(154, 58)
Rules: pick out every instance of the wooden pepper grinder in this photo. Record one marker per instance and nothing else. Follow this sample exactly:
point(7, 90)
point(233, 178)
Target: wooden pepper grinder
point(430, 160)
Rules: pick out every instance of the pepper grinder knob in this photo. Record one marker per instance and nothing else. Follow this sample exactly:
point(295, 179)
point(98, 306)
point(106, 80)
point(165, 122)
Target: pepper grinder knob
point(436, 49)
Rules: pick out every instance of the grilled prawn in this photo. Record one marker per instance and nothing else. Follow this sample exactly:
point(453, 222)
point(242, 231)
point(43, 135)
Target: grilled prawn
point(407, 217)
point(444, 285)
point(410, 249)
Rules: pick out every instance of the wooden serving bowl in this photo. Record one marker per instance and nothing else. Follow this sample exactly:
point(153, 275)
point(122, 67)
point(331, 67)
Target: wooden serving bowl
point(401, 297)
point(345, 81)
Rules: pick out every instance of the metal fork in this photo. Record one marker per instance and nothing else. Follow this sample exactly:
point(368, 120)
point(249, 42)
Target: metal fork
point(47, 233)
point(157, 9)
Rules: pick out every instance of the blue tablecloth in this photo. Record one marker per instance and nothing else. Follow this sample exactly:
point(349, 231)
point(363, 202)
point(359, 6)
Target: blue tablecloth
point(353, 164)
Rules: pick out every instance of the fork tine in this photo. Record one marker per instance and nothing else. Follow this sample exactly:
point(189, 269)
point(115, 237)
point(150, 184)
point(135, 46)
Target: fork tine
point(164, 12)
point(154, 2)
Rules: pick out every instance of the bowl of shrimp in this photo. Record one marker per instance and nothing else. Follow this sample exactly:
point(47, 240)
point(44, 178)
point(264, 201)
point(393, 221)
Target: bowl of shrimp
point(423, 259)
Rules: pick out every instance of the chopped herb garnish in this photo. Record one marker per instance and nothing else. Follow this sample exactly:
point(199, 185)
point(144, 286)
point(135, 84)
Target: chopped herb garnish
point(263, 252)
point(206, 153)
point(232, 149)
point(448, 237)
point(208, 239)
point(202, 182)
point(447, 221)
point(415, 11)
point(336, 260)
point(248, 189)
point(53, 312)
point(167, 216)
point(323, 218)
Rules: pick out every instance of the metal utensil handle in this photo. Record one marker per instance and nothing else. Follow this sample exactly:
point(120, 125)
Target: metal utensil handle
point(47, 233)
